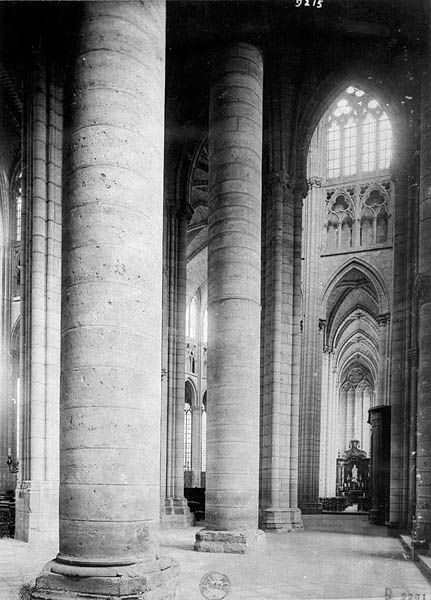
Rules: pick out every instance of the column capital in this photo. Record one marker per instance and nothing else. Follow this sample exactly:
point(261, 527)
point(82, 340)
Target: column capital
point(314, 181)
point(384, 318)
point(277, 179)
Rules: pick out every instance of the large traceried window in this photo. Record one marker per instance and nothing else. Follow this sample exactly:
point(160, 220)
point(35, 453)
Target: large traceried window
point(359, 136)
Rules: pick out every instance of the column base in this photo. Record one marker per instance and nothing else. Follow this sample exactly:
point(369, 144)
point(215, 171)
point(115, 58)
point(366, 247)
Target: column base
point(421, 535)
point(281, 520)
point(376, 516)
point(156, 580)
point(176, 514)
point(229, 541)
point(311, 508)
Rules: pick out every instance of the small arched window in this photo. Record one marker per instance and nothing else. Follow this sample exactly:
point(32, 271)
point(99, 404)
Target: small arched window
point(191, 318)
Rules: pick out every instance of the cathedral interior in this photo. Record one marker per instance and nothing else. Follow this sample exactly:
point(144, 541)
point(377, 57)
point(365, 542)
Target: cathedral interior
point(215, 222)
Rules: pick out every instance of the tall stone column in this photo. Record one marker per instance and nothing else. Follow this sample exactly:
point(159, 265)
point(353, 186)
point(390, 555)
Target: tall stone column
point(383, 371)
point(111, 310)
point(176, 511)
point(330, 426)
point(380, 419)
point(281, 304)
point(422, 526)
point(234, 246)
point(37, 486)
point(311, 364)
point(196, 444)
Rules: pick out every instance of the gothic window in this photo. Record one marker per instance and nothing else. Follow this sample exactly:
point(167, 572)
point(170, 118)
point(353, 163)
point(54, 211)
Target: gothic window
point(332, 233)
point(346, 232)
point(190, 358)
point(367, 227)
point(340, 223)
point(382, 226)
point(359, 136)
point(375, 216)
point(205, 326)
point(191, 318)
point(187, 437)
point(18, 206)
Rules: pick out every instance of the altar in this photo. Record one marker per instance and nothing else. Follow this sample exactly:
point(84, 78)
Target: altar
point(353, 477)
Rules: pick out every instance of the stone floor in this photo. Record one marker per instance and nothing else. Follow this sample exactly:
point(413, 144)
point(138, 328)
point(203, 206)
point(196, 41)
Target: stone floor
point(337, 556)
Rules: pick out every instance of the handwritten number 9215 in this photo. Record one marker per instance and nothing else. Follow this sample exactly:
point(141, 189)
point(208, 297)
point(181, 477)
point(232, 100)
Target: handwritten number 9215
point(313, 3)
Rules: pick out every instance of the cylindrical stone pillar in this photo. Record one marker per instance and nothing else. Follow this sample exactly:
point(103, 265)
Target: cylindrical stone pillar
point(380, 421)
point(111, 308)
point(234, 244)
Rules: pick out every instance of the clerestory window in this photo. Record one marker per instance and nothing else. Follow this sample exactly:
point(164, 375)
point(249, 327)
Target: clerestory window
point(358, 136)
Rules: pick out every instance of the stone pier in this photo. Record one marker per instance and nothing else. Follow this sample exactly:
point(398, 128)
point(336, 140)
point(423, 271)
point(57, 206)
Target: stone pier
point(422, 524)
point(111, 299)
point(234, 248)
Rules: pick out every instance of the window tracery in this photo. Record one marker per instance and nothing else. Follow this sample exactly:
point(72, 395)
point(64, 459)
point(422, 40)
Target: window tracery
point(358, 215)
point(17, 207)
point(191, 350)
point(359, 136)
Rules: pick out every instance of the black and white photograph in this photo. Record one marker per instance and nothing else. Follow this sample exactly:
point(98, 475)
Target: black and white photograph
point(215, 299)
